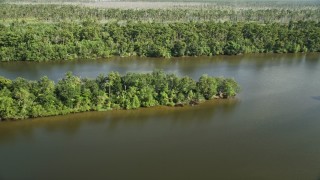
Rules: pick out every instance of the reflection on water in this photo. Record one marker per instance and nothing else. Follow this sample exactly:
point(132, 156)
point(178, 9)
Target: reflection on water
point(70, 124)
point(192, 66)
point(270, 131)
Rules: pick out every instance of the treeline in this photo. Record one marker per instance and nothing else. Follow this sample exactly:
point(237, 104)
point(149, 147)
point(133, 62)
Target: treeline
point(214, 3)
point(89, 39)
point(57, 13)
point(21, 98)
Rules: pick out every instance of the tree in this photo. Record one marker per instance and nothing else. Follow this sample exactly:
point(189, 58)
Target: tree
point(207, 86)
point(232, 48)
point(69, 90)
point(8, 109)
point(179, 49)
point(230, 87)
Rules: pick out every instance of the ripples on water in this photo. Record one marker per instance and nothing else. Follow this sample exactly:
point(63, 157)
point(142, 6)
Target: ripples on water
point(270, 131)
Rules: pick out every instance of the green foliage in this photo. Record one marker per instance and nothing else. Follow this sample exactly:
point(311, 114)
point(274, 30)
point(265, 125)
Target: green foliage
point(256, 12)
point(21, 98)
point(7, 106)
point(207, 86)
point(4, 82)
point(69, 91)
point(89, 39)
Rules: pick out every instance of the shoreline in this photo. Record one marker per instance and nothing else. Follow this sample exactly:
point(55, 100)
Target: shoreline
point(113, 58)
point(155, 109)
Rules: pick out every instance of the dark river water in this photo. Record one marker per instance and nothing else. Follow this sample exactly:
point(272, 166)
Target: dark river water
point(270, 131)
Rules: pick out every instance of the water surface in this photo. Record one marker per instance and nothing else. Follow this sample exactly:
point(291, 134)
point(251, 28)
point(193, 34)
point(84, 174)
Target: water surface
point(270, 131)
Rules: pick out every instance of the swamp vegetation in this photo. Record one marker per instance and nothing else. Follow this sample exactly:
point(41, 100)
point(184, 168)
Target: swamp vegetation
point(51, 30)
point(21, 98)
point(90, 39)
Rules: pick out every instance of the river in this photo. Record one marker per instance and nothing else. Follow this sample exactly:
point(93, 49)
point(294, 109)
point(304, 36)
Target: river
point(270, 131)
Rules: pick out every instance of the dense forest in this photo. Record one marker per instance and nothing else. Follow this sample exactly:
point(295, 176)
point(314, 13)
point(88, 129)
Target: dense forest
point(21, 98)
point(42, 32)
point(90, 39)
point(57, 13)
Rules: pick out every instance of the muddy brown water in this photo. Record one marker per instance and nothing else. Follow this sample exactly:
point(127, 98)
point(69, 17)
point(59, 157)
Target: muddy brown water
point(270, 131)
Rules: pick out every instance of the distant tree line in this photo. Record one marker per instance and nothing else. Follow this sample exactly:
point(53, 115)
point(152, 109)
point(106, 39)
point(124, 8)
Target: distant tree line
point(290, 4)
point(56, 13)
point(21, 98)
point(89, 39)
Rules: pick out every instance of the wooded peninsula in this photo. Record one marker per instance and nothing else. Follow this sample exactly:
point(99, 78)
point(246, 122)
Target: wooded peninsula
point(21, 98)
